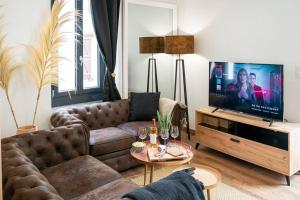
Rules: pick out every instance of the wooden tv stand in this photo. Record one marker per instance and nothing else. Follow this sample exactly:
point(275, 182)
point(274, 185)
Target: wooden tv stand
point(249, 138)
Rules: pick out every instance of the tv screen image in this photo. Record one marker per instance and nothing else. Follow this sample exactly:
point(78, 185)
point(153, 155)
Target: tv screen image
point(255, 89)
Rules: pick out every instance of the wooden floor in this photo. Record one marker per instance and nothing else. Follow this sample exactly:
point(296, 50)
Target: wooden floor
point(253, 180)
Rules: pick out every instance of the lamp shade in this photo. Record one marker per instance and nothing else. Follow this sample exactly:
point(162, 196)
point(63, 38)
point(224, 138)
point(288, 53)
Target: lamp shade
point(179, 44)
point(151, 44)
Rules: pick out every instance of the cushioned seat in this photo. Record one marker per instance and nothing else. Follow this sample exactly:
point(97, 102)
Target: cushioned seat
point(133, 127)
point(79, 175)
point(119, 188)
point(109, 140)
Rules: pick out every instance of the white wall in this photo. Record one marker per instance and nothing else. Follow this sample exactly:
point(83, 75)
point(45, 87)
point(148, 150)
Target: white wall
point(167, 1)
point(23, 20)
point(259, 31)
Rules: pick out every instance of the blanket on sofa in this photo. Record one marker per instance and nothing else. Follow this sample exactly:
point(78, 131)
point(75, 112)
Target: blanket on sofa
point(177, 186)
point(166, 105)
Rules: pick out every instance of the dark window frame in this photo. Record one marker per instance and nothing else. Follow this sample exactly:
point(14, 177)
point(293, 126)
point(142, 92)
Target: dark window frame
point(81, 95)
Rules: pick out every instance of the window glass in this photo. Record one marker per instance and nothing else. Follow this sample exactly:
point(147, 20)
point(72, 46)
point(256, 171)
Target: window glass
point(90, 50)
point(82, 72)
point(67, 67)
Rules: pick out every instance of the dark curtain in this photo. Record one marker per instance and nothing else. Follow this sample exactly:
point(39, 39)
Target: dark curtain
point(105, 14)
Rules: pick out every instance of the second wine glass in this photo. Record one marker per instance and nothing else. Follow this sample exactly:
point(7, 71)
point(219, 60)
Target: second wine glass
point(142, 133)
point(164, 134)
point(174, 132)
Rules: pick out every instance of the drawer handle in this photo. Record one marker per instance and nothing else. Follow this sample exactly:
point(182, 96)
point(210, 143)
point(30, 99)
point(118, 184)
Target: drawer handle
point(234, 140)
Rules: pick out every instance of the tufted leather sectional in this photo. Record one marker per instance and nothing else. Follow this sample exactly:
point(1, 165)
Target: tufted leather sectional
point(111, 135)
point(107, 141)
point(55, 164)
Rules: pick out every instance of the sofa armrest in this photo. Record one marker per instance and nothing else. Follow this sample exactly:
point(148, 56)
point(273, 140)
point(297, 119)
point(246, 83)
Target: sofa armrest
point(21, 178)
point(63, 118)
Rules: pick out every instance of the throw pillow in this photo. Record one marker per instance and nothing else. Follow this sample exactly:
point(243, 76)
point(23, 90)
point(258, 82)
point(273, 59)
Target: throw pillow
point(143, 106)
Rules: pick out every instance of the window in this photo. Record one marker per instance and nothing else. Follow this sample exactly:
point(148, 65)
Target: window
point(81, 74)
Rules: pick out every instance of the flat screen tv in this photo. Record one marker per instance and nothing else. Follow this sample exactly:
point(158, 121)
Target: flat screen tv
point(255, 89)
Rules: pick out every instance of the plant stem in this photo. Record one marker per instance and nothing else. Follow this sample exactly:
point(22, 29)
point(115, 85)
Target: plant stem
point(36, 105)
point(11, 109)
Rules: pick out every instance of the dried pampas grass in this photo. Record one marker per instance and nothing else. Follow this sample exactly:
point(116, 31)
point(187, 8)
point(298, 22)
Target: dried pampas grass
point(7, 68)
point(44, 57)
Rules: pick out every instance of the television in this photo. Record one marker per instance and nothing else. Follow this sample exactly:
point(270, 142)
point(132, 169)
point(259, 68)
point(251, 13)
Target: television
point(255, 89)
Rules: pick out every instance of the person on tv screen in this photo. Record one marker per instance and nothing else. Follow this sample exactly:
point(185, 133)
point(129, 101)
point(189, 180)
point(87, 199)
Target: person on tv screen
point(257, 89)
point(232, 86)
point(244, 93)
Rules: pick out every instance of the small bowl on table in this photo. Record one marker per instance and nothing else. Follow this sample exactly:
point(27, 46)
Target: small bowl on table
point(138, 147)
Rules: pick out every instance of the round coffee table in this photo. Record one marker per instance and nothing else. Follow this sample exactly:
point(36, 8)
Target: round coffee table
point(144, 159)
point(207, 175)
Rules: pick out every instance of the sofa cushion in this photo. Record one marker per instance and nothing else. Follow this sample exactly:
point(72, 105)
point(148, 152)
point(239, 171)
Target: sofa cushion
point(111, 191)
point(143, 106)
point(121, 163)
point(79, 176)
point(113, 155)
point(133, 127)
point(109, 140)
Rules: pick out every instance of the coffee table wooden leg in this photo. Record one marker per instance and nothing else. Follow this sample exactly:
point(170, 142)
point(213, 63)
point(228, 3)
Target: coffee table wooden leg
point(145, 174)
point(208, 194)
point(151, 173)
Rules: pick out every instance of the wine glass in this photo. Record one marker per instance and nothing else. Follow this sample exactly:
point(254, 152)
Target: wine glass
point(174, 132)
point(164, 134)
point(142, 133)
point(174, 135)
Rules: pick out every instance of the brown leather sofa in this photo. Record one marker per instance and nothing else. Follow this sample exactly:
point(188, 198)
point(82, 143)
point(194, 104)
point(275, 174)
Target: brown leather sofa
point(111, 135)
point(55, 164)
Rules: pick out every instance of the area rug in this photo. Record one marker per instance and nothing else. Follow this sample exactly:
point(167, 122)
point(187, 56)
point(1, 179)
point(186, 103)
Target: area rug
point(220, 192)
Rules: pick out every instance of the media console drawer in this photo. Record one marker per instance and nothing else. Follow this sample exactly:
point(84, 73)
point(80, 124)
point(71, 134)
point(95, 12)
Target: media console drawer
point(263, 155)
point(212, 121)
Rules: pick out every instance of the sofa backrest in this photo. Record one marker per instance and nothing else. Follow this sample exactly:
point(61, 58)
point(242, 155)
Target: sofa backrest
point(95, 116)
point(23, 156)
point(49, 148)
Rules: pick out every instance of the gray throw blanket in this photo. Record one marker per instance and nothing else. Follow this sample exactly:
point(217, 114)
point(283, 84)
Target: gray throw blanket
point(177, 186)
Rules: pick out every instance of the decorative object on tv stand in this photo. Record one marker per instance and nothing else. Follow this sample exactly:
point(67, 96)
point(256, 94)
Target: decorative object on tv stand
point(180, 44)
point(44, 58)
point(7, 68)
point(152, 45)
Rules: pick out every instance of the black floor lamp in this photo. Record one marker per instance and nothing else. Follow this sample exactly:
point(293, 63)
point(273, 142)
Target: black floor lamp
point(152, 45)
point(180, 44)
